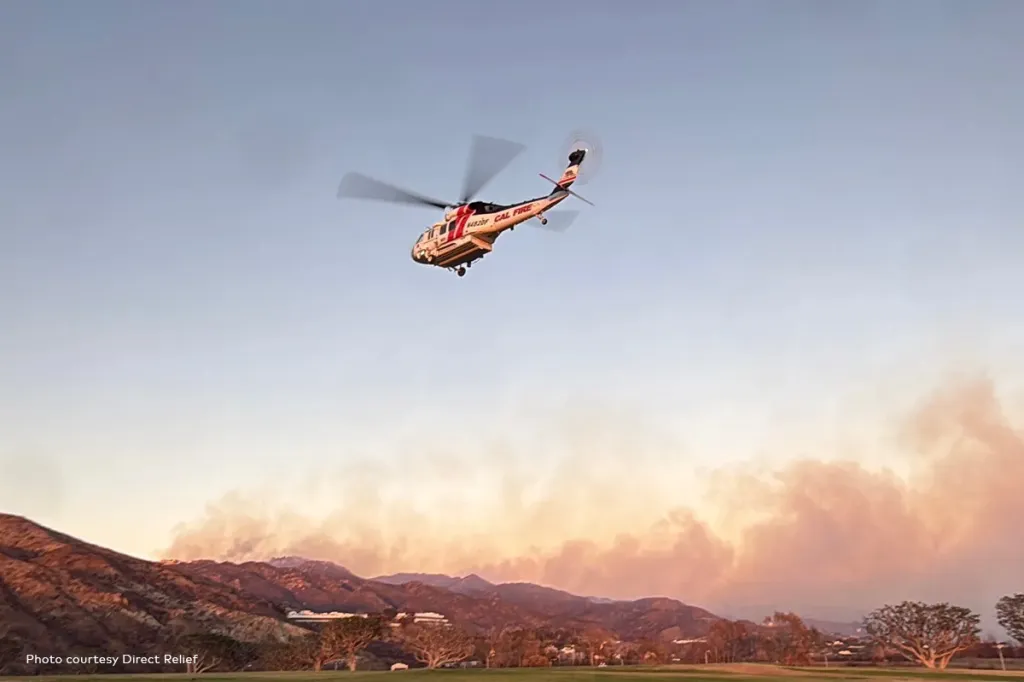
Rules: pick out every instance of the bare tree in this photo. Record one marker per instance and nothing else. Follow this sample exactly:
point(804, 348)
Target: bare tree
point(201, 663)
point(348, 637)
point(435, 645)
point(1010, 612)
point(505, 647)
point(499, 647)
point(209, 650)
point(930, 634)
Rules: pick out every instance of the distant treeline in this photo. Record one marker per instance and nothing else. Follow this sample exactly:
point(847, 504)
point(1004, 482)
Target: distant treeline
point(929, 635)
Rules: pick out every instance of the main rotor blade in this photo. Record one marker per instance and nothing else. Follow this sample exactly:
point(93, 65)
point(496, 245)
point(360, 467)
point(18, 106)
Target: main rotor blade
point(558, 221)
point(359, 186)
point(488, 156)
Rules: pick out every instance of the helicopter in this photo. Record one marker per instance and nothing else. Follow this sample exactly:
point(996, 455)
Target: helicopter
point(470, 228)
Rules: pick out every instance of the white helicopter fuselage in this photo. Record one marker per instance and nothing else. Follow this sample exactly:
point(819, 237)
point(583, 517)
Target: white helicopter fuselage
point(468, 232)
point(470, 228)
point(465, 235)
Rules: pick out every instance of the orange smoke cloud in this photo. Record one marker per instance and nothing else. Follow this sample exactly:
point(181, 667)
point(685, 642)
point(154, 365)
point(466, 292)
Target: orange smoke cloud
point(812, 534)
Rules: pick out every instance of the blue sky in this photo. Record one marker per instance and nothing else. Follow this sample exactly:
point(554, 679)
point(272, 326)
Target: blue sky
point(800, 205)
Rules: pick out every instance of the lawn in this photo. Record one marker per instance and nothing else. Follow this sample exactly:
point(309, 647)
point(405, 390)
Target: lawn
point(702, 673)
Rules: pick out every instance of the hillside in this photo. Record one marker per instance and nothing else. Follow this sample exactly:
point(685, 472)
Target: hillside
point(297, 585)
point(60, 593)
point(312, 587)
point(643, 618)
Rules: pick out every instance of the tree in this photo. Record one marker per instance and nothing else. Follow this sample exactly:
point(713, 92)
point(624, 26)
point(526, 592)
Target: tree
point(294, 654)
point(729, 641)
point(930, 634)
point(1010, 613)
point(651, 651)
point(788, 640)
point(435, 645)
point(537, 660)
point(509, 647)
point(532, 651)
point(575, 644)
point(348, 637)
point(594, 639)
point(213, 650)
point(297, 653)
point(497, 646)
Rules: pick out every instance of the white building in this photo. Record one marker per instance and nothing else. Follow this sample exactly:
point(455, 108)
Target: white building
point(698, 640)
point(424, 618)
point(315, 617)
point(306, 616)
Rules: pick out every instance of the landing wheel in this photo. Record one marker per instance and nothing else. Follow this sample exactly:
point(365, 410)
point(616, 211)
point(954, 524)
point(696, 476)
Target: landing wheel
point(460, 272)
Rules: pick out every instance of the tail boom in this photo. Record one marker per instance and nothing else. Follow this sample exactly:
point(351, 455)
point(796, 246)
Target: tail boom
point(561, 187)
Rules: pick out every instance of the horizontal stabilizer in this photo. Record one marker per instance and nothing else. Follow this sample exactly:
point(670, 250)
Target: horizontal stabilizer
point(566, 189)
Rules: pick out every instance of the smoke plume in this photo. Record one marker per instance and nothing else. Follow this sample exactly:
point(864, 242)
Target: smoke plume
point(612, 520)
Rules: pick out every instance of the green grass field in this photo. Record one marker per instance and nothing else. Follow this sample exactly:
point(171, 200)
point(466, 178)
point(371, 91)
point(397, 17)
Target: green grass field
point(703, 673)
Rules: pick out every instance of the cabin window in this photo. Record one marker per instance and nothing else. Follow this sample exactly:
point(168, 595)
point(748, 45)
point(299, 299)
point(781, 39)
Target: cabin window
point(444, 228)
point(451, 226)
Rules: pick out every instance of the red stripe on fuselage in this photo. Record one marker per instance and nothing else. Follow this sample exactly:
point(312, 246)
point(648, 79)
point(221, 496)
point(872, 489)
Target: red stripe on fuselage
point(462, 217)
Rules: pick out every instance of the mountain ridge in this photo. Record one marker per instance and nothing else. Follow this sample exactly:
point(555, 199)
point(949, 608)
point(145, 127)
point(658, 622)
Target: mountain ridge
point(64, 594)
point(464, 584)
point(473, 583)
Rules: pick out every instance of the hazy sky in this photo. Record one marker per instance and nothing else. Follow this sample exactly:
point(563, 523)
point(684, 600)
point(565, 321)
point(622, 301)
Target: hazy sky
point(807, 214)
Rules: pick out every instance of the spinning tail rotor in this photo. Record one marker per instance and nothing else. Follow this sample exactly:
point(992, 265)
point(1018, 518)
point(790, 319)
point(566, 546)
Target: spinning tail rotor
point(584, 156)
point(591, 144)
